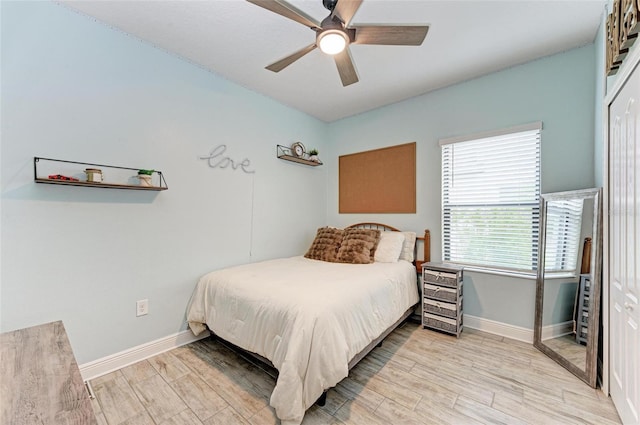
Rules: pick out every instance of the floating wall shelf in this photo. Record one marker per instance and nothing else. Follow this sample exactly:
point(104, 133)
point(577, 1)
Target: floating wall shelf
point(158, 184)
point(284, 152)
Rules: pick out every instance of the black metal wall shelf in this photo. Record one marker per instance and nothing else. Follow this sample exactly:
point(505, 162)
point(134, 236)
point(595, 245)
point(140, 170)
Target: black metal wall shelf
point(162, 185)
point(284, 152)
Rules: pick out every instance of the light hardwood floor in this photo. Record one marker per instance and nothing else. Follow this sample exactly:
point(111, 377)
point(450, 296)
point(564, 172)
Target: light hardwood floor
point(416, 377)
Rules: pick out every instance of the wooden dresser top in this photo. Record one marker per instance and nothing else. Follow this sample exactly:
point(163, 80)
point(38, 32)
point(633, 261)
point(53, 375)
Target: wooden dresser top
point(40, 382)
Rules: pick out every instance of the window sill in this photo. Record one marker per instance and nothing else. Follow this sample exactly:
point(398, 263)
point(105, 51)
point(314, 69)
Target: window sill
point(497, 272)
point(548, 276)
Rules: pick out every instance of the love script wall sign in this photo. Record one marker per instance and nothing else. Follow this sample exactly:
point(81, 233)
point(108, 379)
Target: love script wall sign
point(218, 159)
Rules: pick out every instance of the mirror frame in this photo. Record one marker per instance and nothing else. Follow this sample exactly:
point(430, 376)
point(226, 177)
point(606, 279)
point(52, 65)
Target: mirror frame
point(589, 375)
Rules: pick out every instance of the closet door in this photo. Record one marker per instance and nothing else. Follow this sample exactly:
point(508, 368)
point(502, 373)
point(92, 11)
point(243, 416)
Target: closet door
point(624, 249)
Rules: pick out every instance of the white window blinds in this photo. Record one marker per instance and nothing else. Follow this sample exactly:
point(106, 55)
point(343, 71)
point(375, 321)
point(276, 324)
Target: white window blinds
point(490, 199)
point(563, 224)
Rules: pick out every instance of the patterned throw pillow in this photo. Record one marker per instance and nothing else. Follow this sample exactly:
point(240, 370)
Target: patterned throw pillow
point(358, 246)
point(326, 244)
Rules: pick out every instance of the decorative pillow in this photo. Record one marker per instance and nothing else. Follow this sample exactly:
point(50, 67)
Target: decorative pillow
point(358, 246)
point(325, 246)
point(389, 247)
point(408, 246)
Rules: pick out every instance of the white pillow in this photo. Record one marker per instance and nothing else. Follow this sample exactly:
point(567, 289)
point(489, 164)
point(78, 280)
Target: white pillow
point(389, 247)
point(408, 246)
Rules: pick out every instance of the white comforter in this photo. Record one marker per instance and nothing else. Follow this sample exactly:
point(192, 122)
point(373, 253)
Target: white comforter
point(308, 317)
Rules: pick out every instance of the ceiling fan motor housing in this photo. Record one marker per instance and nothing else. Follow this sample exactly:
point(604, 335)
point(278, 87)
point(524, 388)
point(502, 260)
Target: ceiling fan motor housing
point(329, 4)
point(334, 24)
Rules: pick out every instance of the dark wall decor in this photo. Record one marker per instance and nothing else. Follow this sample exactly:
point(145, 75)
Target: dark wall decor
point(622, 31)
point(378, 181)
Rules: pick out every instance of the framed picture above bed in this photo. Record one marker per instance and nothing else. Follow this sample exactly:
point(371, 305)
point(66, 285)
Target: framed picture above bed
point(378, 181)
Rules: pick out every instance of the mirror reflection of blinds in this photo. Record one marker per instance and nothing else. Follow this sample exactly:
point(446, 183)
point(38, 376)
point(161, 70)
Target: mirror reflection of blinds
point(490, 200)
point(564, 221)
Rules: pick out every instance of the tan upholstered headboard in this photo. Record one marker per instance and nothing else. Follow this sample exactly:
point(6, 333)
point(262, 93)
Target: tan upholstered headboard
point(426, 240)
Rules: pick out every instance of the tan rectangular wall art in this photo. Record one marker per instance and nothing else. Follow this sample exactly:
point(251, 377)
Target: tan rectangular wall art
point(378, 181)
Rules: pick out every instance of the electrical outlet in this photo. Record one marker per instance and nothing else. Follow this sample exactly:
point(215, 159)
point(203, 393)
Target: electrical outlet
point(142, 308)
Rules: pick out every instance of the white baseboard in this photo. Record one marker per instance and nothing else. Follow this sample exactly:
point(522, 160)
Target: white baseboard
point(499, 328)
point(516, 332)
point(554, 331)
point(133, 355)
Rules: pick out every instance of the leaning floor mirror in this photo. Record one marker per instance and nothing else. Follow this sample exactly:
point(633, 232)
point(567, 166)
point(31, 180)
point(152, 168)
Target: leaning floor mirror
point(569, 280)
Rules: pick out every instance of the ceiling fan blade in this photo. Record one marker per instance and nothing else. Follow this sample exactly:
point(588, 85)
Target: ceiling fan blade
point(287, 10)
point(346, 69)
point(345, 9)
point(397, 35)
point(285, 62)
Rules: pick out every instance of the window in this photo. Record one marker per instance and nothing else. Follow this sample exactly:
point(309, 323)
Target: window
point(564, 221)
point(491, 199)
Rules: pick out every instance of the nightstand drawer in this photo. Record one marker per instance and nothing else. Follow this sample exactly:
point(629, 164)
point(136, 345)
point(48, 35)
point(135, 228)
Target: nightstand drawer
point(441, 293)
point(442, 308)
point(584, 318)
point(442, 323)
point(440, 278)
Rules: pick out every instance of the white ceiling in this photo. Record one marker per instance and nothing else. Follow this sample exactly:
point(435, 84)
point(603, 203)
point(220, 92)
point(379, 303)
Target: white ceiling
point(466, 39)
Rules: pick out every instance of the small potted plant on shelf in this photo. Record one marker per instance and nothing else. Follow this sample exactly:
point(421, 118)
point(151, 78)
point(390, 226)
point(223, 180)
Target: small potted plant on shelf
point(145, 177)
point(313, 155)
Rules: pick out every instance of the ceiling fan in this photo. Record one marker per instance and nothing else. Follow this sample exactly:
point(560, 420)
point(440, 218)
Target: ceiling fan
point(334, 35)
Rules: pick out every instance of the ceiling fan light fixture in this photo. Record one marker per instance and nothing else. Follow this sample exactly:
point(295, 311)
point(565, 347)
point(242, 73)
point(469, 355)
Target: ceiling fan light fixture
point(332, 41)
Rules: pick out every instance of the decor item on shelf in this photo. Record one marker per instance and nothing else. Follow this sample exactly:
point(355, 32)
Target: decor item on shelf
point(334, 34)
point(313, 155)
point(298, 149)
point(145, 177)
point(94, 175)
point(61, 177)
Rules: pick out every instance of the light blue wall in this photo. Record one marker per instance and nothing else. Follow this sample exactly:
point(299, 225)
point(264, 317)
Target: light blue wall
point(558, 90)
point(559, 301)
point(74, 89)
point(78, 90)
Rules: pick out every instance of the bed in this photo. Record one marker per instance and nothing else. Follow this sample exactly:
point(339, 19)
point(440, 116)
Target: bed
point(312, 320)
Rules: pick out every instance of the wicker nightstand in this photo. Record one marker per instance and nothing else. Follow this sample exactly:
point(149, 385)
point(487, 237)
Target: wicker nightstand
point(442, 297)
